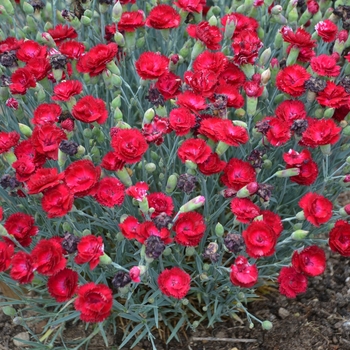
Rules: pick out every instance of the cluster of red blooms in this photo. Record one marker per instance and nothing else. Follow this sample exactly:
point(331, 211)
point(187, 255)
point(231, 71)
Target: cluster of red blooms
point(204, 93)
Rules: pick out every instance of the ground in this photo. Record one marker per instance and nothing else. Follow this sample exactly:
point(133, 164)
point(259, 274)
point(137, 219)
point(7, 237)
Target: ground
point(317, 320)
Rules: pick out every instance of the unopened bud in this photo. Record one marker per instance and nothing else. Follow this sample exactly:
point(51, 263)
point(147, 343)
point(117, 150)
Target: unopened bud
point(117, 12)
point(193, 204)
point(213, 21)
point(276, 10)
point(8, 7)
point(150, 168)
point(25, 130)
point(27, 8)
point(105, 259)
point(80, 152)
point(190, 251)
point(190, 165)
point(86, 21)
point(221, 148)
point(300, 215)
point(267, 325)
point(198, 48)
point(219, 230)
point(148, 116)
point(229, 29)
point(247, 190)
point(124, 177)
point(299, 234)
point(171, 183)
point(288, 172)
point(265, 76)
point(265, 56)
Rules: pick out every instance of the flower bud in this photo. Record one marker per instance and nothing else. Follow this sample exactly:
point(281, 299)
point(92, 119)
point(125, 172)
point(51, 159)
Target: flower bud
point(124, 177)
point(167, 251)
point(345, 211)
point(8, 7)
point(240, 113)
point(171, 183)
point(265, 56)
point(293, 55)
point(213, 21)
point(328, 113)
point(198, 48)
point(117, 115)
point(276, 10)
point(190, 165)
point(326, 149)
point(300, 215)
point(219, 230)
point(150, 168)
point(117, 12)
point(229, 29)
point(293, 15)
point(86, 21)
point(288, 172)
point(184, 301)
point(221, 148)
point(3, 231)
point(80, 152)
point(119, 39)
point(116, 102)
point(190, 251)
point(299, 234)
point(27, 8)
point(193, 204)
point(265, 76)
point(247, 190)
point(25, 130)
point(148, 116)
point(267, 325)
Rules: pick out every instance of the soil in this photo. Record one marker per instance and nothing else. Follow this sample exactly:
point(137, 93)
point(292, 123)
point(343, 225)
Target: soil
point(317, 320)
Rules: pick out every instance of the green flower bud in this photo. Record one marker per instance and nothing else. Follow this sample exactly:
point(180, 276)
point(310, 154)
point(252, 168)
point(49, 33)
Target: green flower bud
point(124, 177)
point(140, 42)
point(276, 10)
point(298, 226)
point(105, 259)
point(154, 156)
point(116, 102)
point(219, 230)
point(299, 235)
point(203, 276)
point(87, 133)
point(247, 190)
point(103, 8)
point(293, 55)
point(198, 48)
point(25, 130)
point(112, 67)
point(193, 204)
point(288, 172)
point(86, 21)
point(130, 40)
point(300, 215)
point(190, 165)
point(95, 154)
point(184, 301)
point(240, 113)
point(81, 151)
point(265, 56)
point(328, 113)
point(117, 115)
point(229, 29)
point(267, 164)
point(123, 125)
point(221, 148)
point(27, 8)
point(8, 7)
point(150, 168)
point(267, 325)
point(204, 308)
point(119, 39)
point(62, 158)
point(116, 80)
point(167, 251)
point(161, 111)
point(148, 116)
point(213, 21)
point(304, 18)
point(117, 12)
point(171, 183)
point(3, 231)
point(86, 232)
point(278, 40)
point(248, 70)
point(190, 251)
point(195, 324)
point(293, 15)
point(252, 103)
point(326, 149)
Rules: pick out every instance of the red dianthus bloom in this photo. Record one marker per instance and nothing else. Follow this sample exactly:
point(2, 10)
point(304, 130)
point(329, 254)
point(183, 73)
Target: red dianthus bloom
point(174, 282)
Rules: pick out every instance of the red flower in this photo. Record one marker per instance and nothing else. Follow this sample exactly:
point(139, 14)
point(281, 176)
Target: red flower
point(8, 140)
point(10, 44)
point(111, 162)
point(63, 285)
point(231, 134)
point(6, 254)
point(246, 46)
point(190, 5)
point(152, 65)
point(135, 274)
point(234, 98)
point(21, 226)
point(163, 17)
point(291, 80)
point(317, 209)
point(195, 150)
point(212, 165)
point(110, 30)
point(168, 85)
point(129, 227)
point(260, 239)
point(90, 248)
point(333, 96)
point(243, 274)
point(237, 174)
point(48, 257)
point(62, 32)
point(209, 35)
point(161, 204)
point(22, 269)
point(325, 66)
point(290, 110)
point(43, 179)
point(148, 228)
point(46, 113)
point(81, 177)
point(154, 131)
point(39, 67)
point(46, 139)
point(273, 221)
point(189, 229)
point(95, 61)
point(278, 132)
point(242, 22)
point(30, 49)
point(24, 167)
point(94, 301)
point(21, 80)
point(301, 39)
point(174, 282)
point(138, 191)
point(303, 161)
point(209, 127)
point(72, 49)
point(192, 101)
point(327, 30)
point(202, 82)
point(216, 62)
point(90, 109)
point(253, 88)
point(339, 238)
point(232, 75)
point(181, 120)
point(244, 209)
point(12, 103)
point(57, 201)
point(291, 282)
point(129, 145)
point(311, 261)
point(67, 89)
point(321, 132)
point(110, 192)
point(130, 21)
